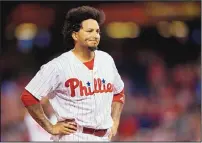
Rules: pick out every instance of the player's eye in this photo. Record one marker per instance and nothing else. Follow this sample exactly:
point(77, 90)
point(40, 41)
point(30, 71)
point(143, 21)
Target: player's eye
point(89, 31)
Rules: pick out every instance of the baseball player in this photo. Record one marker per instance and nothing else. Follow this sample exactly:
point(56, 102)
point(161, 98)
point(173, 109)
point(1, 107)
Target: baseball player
point(82, 84)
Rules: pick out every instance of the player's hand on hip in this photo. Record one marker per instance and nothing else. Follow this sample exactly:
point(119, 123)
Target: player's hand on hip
point(64, 128)
point(113, 132)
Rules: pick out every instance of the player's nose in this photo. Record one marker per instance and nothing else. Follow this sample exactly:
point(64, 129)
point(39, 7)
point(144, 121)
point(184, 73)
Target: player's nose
point(96, 35)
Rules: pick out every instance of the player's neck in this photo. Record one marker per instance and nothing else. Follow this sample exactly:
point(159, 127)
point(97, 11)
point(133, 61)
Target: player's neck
point(83, 54)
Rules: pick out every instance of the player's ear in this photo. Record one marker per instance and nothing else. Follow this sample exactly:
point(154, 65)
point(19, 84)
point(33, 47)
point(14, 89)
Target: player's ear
point(74, 35)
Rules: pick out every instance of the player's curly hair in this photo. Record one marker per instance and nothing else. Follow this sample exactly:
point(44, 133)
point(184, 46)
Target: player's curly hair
point(75, 17)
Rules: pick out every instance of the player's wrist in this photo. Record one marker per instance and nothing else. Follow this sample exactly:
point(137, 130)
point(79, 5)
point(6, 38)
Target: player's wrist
point(50, 129)
point(115, 124)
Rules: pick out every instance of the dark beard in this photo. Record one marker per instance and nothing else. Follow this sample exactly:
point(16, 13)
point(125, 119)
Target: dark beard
point(93, 48)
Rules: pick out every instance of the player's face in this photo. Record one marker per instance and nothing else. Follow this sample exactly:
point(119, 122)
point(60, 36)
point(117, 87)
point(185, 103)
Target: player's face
point(89, 34)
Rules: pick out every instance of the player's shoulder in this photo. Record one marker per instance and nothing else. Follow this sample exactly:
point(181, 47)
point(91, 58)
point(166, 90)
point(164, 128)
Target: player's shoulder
point(59, 58)
point(56, 61)
point(103, 55)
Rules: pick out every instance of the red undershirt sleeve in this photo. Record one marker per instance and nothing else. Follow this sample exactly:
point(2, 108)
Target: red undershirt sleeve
point(28, 99)
point(120, 97)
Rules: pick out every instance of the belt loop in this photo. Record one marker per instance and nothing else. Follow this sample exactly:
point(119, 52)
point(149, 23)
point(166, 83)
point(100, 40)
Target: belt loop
point(79, 128)
point(94, 131)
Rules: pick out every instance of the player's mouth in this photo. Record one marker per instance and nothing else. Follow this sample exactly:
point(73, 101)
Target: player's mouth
point(93, 41)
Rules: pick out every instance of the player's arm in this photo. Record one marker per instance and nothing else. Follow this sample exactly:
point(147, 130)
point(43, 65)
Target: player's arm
point(117, 107)
point(35, 109)
point(45, 82)
point(38, 115)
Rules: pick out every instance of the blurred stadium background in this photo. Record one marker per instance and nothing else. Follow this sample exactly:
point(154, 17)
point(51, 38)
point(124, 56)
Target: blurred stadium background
point(156, 47)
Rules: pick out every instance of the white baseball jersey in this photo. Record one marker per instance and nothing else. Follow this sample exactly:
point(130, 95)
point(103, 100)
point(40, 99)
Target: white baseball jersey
point(76, 92)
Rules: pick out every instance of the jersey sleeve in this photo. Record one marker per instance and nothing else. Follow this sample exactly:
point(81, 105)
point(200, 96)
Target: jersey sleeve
point(45, 81)
point(120, 97)
point(118, 84)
